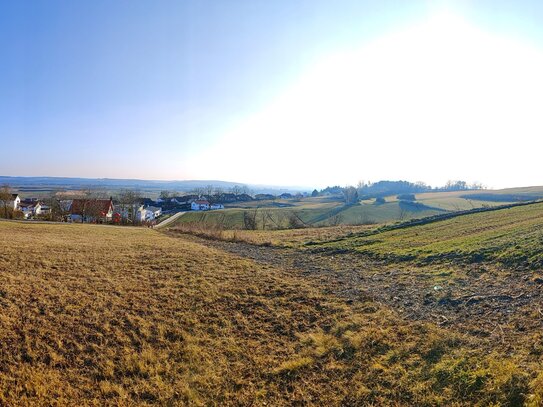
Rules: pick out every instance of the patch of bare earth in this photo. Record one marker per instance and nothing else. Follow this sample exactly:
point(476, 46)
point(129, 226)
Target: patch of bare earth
point(483, 300)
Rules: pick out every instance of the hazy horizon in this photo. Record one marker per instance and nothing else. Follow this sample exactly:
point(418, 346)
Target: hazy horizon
point(217, 182)
point(305, 94)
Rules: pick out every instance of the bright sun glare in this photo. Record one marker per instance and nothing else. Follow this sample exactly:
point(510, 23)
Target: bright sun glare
point(425, 103)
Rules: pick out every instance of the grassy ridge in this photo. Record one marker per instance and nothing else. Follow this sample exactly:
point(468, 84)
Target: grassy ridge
point(331, 211)
point(94, 315)
point(513, 236)
point(311, 214)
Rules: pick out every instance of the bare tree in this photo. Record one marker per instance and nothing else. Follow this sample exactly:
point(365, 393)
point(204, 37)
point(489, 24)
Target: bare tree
point(128, 200)
point(218, 193)
point(60, 204)
point(236, 190)
point(350, 194)
point(245, 190)
point(272, 220)
point(422, 186)
point(208, 190)
point(294, 221)
point(360, 187)
point(56, 207)
point(263, 217)
point(198, 191)
point(6, 198)
point(456, 185)
point(249, 219)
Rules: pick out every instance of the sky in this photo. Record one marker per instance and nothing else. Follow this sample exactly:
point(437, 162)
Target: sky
point(285, 92)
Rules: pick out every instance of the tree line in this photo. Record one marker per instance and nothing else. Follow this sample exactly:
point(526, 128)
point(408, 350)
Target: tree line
point(369, 190)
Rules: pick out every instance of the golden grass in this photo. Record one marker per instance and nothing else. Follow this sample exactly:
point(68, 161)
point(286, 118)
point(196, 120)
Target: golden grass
point(94, 315)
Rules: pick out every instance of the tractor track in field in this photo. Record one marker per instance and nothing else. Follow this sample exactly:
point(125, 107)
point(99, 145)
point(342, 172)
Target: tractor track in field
point(481, 300)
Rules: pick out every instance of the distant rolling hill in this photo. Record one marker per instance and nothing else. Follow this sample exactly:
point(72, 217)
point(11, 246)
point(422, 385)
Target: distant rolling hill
point(331, 210)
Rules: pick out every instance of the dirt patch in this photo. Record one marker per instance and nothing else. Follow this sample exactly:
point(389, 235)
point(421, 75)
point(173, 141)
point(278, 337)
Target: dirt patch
point(483, 300)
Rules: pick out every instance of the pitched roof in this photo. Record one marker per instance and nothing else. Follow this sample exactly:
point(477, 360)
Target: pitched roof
point(200, 202)
point(91, 206)
point(28, 204)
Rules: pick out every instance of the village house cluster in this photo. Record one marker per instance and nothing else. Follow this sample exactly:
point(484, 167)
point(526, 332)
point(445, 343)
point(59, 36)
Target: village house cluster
point(95, 210)
point(128, 208)
point(86, 210)
point(29, 207)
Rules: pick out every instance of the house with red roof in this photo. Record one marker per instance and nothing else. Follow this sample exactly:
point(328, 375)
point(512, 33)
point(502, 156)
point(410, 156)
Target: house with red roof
point(91, 210)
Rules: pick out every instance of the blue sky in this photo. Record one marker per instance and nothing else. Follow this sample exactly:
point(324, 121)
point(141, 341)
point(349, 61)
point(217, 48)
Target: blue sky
point(228, 90)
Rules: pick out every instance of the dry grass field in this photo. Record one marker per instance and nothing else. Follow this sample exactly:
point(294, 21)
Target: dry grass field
point(279, 238)
point(97, 315)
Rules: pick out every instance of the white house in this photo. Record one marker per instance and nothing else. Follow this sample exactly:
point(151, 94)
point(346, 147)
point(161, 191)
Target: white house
point(217, 206)
point(144, 215)
point(44, 209)
point(156, 210)
point(200, 205)
point(15, 201)
point(30, 208)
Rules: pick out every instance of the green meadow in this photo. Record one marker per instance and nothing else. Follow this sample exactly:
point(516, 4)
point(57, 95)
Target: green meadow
point(512, 236)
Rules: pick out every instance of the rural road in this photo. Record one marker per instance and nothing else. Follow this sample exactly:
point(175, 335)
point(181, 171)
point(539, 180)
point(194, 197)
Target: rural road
point(171, 219)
